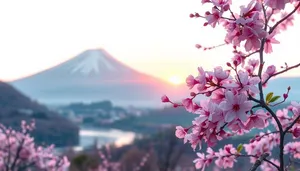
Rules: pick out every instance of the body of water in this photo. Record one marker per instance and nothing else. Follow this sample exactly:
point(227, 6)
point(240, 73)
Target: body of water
point(88, 136)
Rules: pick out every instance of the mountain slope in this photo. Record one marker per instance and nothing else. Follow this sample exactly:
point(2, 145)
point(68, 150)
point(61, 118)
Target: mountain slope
point(51, 128)
point(92, 76)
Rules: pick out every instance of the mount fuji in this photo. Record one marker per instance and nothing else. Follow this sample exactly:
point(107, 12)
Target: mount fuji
point(95, 75)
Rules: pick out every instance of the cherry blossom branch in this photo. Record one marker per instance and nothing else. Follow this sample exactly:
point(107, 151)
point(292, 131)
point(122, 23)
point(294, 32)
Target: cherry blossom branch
point(256, 106)
point(228, 18)
point(261, 94)
point(261, 65)
point(284, 18)
point(281, 72)
point(266, 134)
point(222, 127)
point(259, 161)
point(281, 145)
point(285, 96)
point(250, 54)
point(265, 16)
point(17, 154)
point(232, 13)
point(291, 125)
point(255, 100)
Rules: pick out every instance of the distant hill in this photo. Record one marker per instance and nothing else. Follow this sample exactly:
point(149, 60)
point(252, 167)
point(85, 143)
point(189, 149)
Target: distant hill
point(95, 75)
point(279, 86)
point(51, 128)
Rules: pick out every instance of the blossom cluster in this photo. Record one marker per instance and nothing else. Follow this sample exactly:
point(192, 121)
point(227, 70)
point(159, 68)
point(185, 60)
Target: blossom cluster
point(249, 25)
point(234, 102)
point(19, 152)
point(229, 105)
point(108, 165)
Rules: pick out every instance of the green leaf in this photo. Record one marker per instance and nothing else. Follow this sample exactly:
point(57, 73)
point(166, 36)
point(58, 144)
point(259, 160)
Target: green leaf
point(274, 99)
point(269, 96)
point(239, 148)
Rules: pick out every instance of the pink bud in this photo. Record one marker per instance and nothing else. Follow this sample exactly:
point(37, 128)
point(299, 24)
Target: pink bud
point(271, 70)
point(208, 94)
point(296, 132)
point(192, 15)
point(165, 99)
point(289, 88)
point(198, 46)
point(193, 94)
point(285, 96)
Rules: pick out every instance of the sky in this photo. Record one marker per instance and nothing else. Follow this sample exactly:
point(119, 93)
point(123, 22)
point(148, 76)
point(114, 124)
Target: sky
point(152, 36)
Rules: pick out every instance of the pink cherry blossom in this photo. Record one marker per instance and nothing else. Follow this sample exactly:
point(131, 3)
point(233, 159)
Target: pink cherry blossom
point(293, 148)
point(188, 104)
point(276, 4)
point(201, 162)
point(180, 132)
point(213, 17)
point(257, 120)
point(191, 82)
point(235, 101)
point(269, 41)
point(220, 74)
point(218, 96)
point(248, 83)
point(223, 4)
point(253, 62)
point(235, 106)
point(201, 78)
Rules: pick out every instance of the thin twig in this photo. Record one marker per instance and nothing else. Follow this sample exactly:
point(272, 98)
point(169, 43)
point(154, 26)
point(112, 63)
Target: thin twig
point(280, 72)
point(284, 18)
point(259, 161)
point(291, 125)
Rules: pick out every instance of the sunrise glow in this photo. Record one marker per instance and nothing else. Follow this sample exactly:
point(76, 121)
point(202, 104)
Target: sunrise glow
point(175, 80)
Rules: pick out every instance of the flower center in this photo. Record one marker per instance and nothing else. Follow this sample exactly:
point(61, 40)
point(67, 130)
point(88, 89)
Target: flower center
point(236, 107)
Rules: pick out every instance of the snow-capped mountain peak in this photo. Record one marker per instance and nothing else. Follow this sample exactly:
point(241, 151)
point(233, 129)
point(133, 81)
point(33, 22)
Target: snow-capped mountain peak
point(92, 61)
point(93, 75)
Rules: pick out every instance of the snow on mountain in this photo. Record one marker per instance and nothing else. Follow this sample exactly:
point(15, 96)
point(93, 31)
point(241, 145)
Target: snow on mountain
point(93, 61)
point(95, 75)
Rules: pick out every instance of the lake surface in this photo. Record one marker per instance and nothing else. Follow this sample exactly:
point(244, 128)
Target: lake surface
point(88, 136)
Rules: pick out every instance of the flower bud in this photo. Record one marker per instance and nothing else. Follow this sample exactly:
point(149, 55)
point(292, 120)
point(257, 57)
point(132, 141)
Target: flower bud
point(271, 70)
point(198, 46)
point(165, 99)
point(193, 94)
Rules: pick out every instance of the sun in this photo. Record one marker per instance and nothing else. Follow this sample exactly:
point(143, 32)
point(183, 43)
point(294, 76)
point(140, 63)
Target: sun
point(175, 80)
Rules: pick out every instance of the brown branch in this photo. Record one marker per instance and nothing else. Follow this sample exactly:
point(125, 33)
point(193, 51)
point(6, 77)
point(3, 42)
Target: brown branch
point(291, 125)
point(232, 14)
point(280, 72)
point(266, 134)
point(259, 161)
point(252, 53)
point(284, 18)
